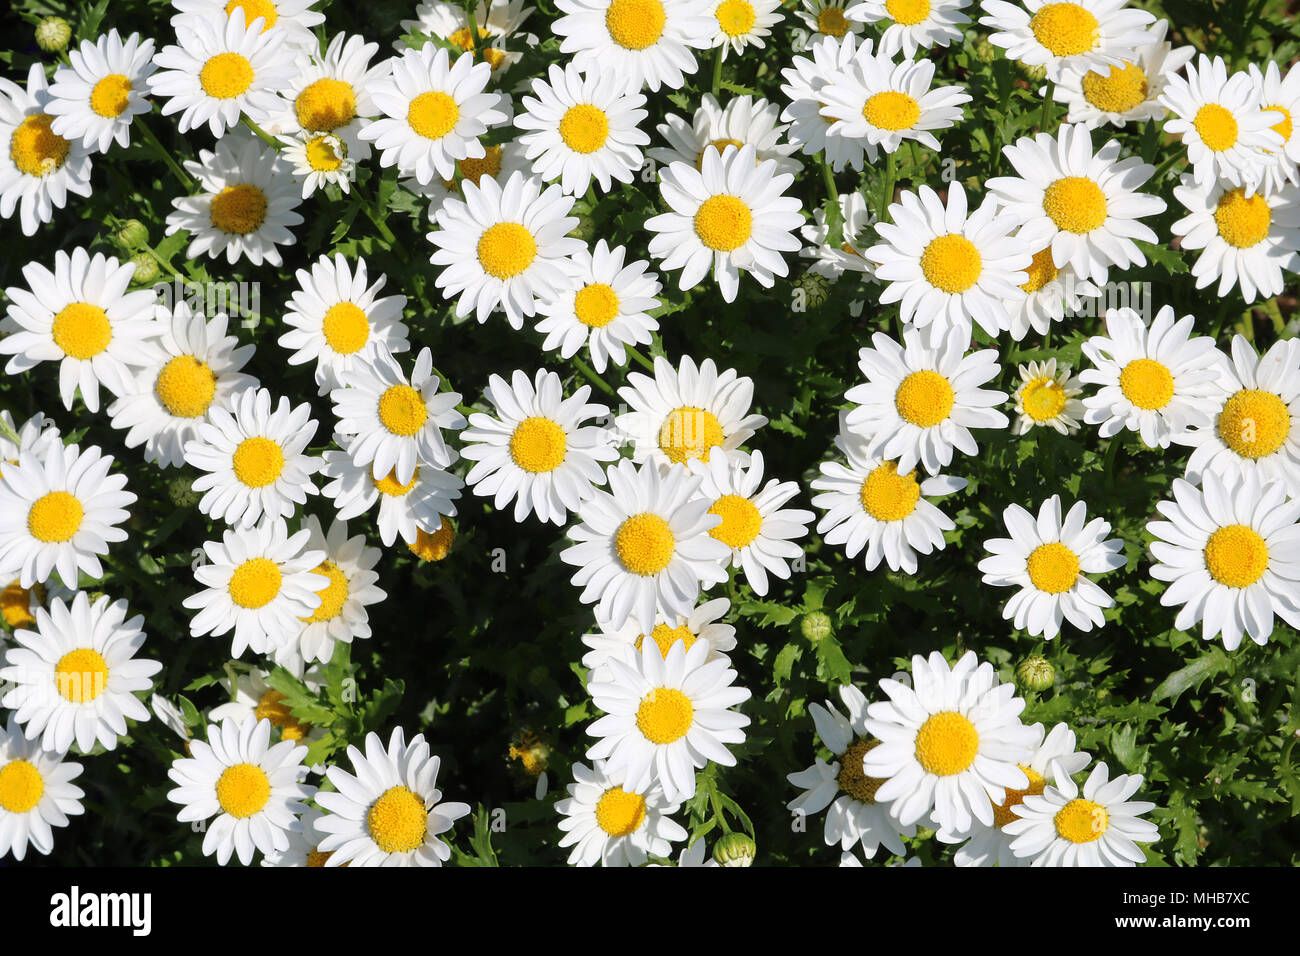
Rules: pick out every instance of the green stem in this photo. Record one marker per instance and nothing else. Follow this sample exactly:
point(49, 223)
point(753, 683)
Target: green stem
point(641, 359)
point(1164, 168)
point(717, 71)
point(828, 177)
point(159, 259)
point(1047, 106)
point(370, 202)
point(595, 379)
point(262, 134)
point(1251, 19)
point(161, 151)
point(887, 195)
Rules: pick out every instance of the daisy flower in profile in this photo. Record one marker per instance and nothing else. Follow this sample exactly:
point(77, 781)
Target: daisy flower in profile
point(684, 413)
point(318, 161)
point(38, 168)
point(81, 316)
point(198, 368)
point(59, 513)
point(254, 789)
point(743, 23)
point(643, 547)
point(1231, 552)
point(625, 643)
point(1084, 204)
point(743, 120)
point(729, 215)
point(349, 568)
point(809, 128)
point(1059, 34)
point(537, 450)
point(604, 304)
point(390, 423)
point(1047, 397)
point(36, 793)
point(247, 206)
point(869, 504)
point(855, 816)
point(831, 261)
point(221, 68)
point(330, 96)
point(920, 402)
point(1246, 241)
point(1255, 422)
point(952, 744)
point(75, 677)
point(666, 717)
point(503, 246)
point(291, 20)
point(94, 98)
point(1227, 132)
point(254, 458)
point(912, 25)
point(1050, 294)
point(759, 531)
point(946, 266)
point(1156, 381)
point(496, 21)
point(826, 19)
point(635, 43)
point(1047, 559)
point(406, 509)
point(1126, 92)
point(607, 823)
point(433, 113)
point(578, 127)
point(1101, 827)
point(1281, 95)
point(259, 582)
point(389, 812)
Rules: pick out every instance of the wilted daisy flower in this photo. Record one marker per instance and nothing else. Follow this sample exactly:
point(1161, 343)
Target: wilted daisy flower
point(292, 20)
point(1227, 132)
point(1229, 551)
point(1156, 381)
point(855, 816)
point(36, 793)
point(625, 643)
point(36, 436)
point(738, 24)
point(253, 697)
point(198, 368)
point(826, 19)
point(434, 112)
point(495, 21)
point(1256, 419)
point(406, 509)
point(1047, 560)
point(731, 214)
point(81, 316)
point(643, 547)
point(389, 812)
point(254, 789)
point(831, 261)
point(258, 581)
point(952, 745)
point(60, 512)
point(254, 458)
point(635, 43)
point(911, 25)
point(580, 127)
point(607, 823)
point(247, 204)
point(1059, 35)
point(666, 717)
point(1280, 95)
point(220, 68)
point(349, 568)
point(318, 161)
point(38, 168)
point(948, 268)
point(1248, 241)
point(503, 246)
point(330, 96)
point(1128, 91)
point(1084, 204)
point(743, 120)
point(920, 402)
point(75, 677)
point(94, 98)
point(1050, 294)
point(536, 450)
point(1099, 828)
point(1047, 397)
point(685, 412)
point(804, 79)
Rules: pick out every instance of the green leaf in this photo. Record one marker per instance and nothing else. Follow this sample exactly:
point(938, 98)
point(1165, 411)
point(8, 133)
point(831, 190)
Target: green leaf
point(1193, 675)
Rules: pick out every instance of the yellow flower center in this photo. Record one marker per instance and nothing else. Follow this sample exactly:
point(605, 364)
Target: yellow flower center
point(255, 583)
point(1003, 814)
point(946, 744)
point(635, 24)
point(892, 111)
point(433, 114)
point(690, 432)
point(888, 496)
point(644, 544)
point(111, 96)
point(257, 461)
point(271, 707)
point(81, 675)
point(665, 637)
point(316, 858)
point(186, 386)
point(721, 146)
point(584, 128)
point(389, 485)
point(832, 22)
point(1041, 271)
point(1253, 423)
point(596, 305)
point(1217, 127)
point(243, 789)
point(1236, 556)
point(402, 410)
point(55, 517)
point(620, 813)
point(238, 210)
point(951, 263)
point(1124, 89)
point(82, 330)
point(851, 778)
point(436, 546)
point(475, 169)
point(538, 444)
point(16, 604)
point(226, 76)
point(665, 715)
point(254, 9)
point(1283, 126)
point(398, 821)
point(21, 786)
point(741, 521)
point(325, 105)
point(463, 39)
point(323, 154)
point(723, 223)
point(1042, 399)
point(1242, 222)
point(506, 250)
point(1081, 821)
point(924, 398)
point(332, 596)
point(1053, 568)
point(34, 149)
point(908, 12)
point(345, 327)
point(1065, 29)
point(1147, 383)
point(735, 17)
point(1075, 204)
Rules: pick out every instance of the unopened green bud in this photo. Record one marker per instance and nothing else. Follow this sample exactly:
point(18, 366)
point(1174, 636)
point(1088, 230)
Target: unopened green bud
point(1036, 673)
point(585, 229)
point(53, 34)
point(146, 268)
point(816, 289)
point(815, 626)
point(1036, 73)
point(985, 51)
point(734, 849)
point(181, 493)
point(131, 234)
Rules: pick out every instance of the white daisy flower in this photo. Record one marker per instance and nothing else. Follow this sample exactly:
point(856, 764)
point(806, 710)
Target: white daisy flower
point(831, 261)
point(912, 25)
point(920, 402)
point(696, 854)
point(1047, 397)
point(854, 816)
point(1280, 95)
point(666, 717)
point(1156, 381)
point(1047, 559)
point(731, 214)
point(496, 21)
point(635, 43)
point(1231, 552)
point(624, 643)
point(330, 95)
point(1128, 91)
point(1050, 294)
point(18, 605)
point(252, 696)
point(75, 677)
point(254, 458)
point(317, 161)
point(254, 789)
point(738, 24)
point(36, 436)
point(744, 120)
point(809, 128)
point(823, 19)
point(292, 20)
point(36, 793)
point(94, 98)
point(1059, 34)
point(952, 745)
point(607, 823)
point(406, 509)
point(389, 812)
point(81, 316)
point(304, 843)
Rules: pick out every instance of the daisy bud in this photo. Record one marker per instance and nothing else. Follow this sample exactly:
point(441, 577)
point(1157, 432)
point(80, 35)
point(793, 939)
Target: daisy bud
point(1035, 673)
point(815, 626)
point(53, 34)
point(131, 234)
point(1036, 73)
point(816, 289)
point(734, 849)
point(181, 493)
point(985, 51)
point(585, 229)
point(146, 268)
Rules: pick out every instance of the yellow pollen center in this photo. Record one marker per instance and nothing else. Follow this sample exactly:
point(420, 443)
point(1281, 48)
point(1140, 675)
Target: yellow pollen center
point(908, 12)
point(665, 637)
point(254, 9)
point(951, 263)
point(436, 546)
point(55, 517)
point(1283, 126)
point(1003, 814)
point(924, 398)
point(741, 521)
point(398, 821)
point(463, 39)
point(21, 786)
point(1042, 399)
point(402, 410)
point(690, 432)
point(644, 544)
point(243, 790)
point(888, 496)
point(665, 715)
point(1236, 556)
point(596, 305)
point(111, 96)
point(538, 445)
point(1216, 126)
point(186, 386)
point(584, 128)
point(832, 22)
point(82, 330)
point(316, 858)
point(271, 707)
point(345, 327)
point(506, 250)
point(1053, 568)
point(475, 169)
point(1242, 222)
point(723, 223)
point(620, 813)
point(255, 583)
point(635, 24)
point(1081, 821)
point(433, 114)
point(332, 596)
point(1065, 29)
point(81, 675)
point(389, 485)
point(1147, 383)
point(34, 149)
point(735, 17)
point(946, 744)
point(257, 461)
point(1254, 423)
point(238, 210)
point(721, 146)
point(1124, 89)
point(851, 778)
point(1041, 271)
point(323, 154)
point(325, 105)
point(1075, 204)
point(226, 76)
point(16, 604)
point(891, 110)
